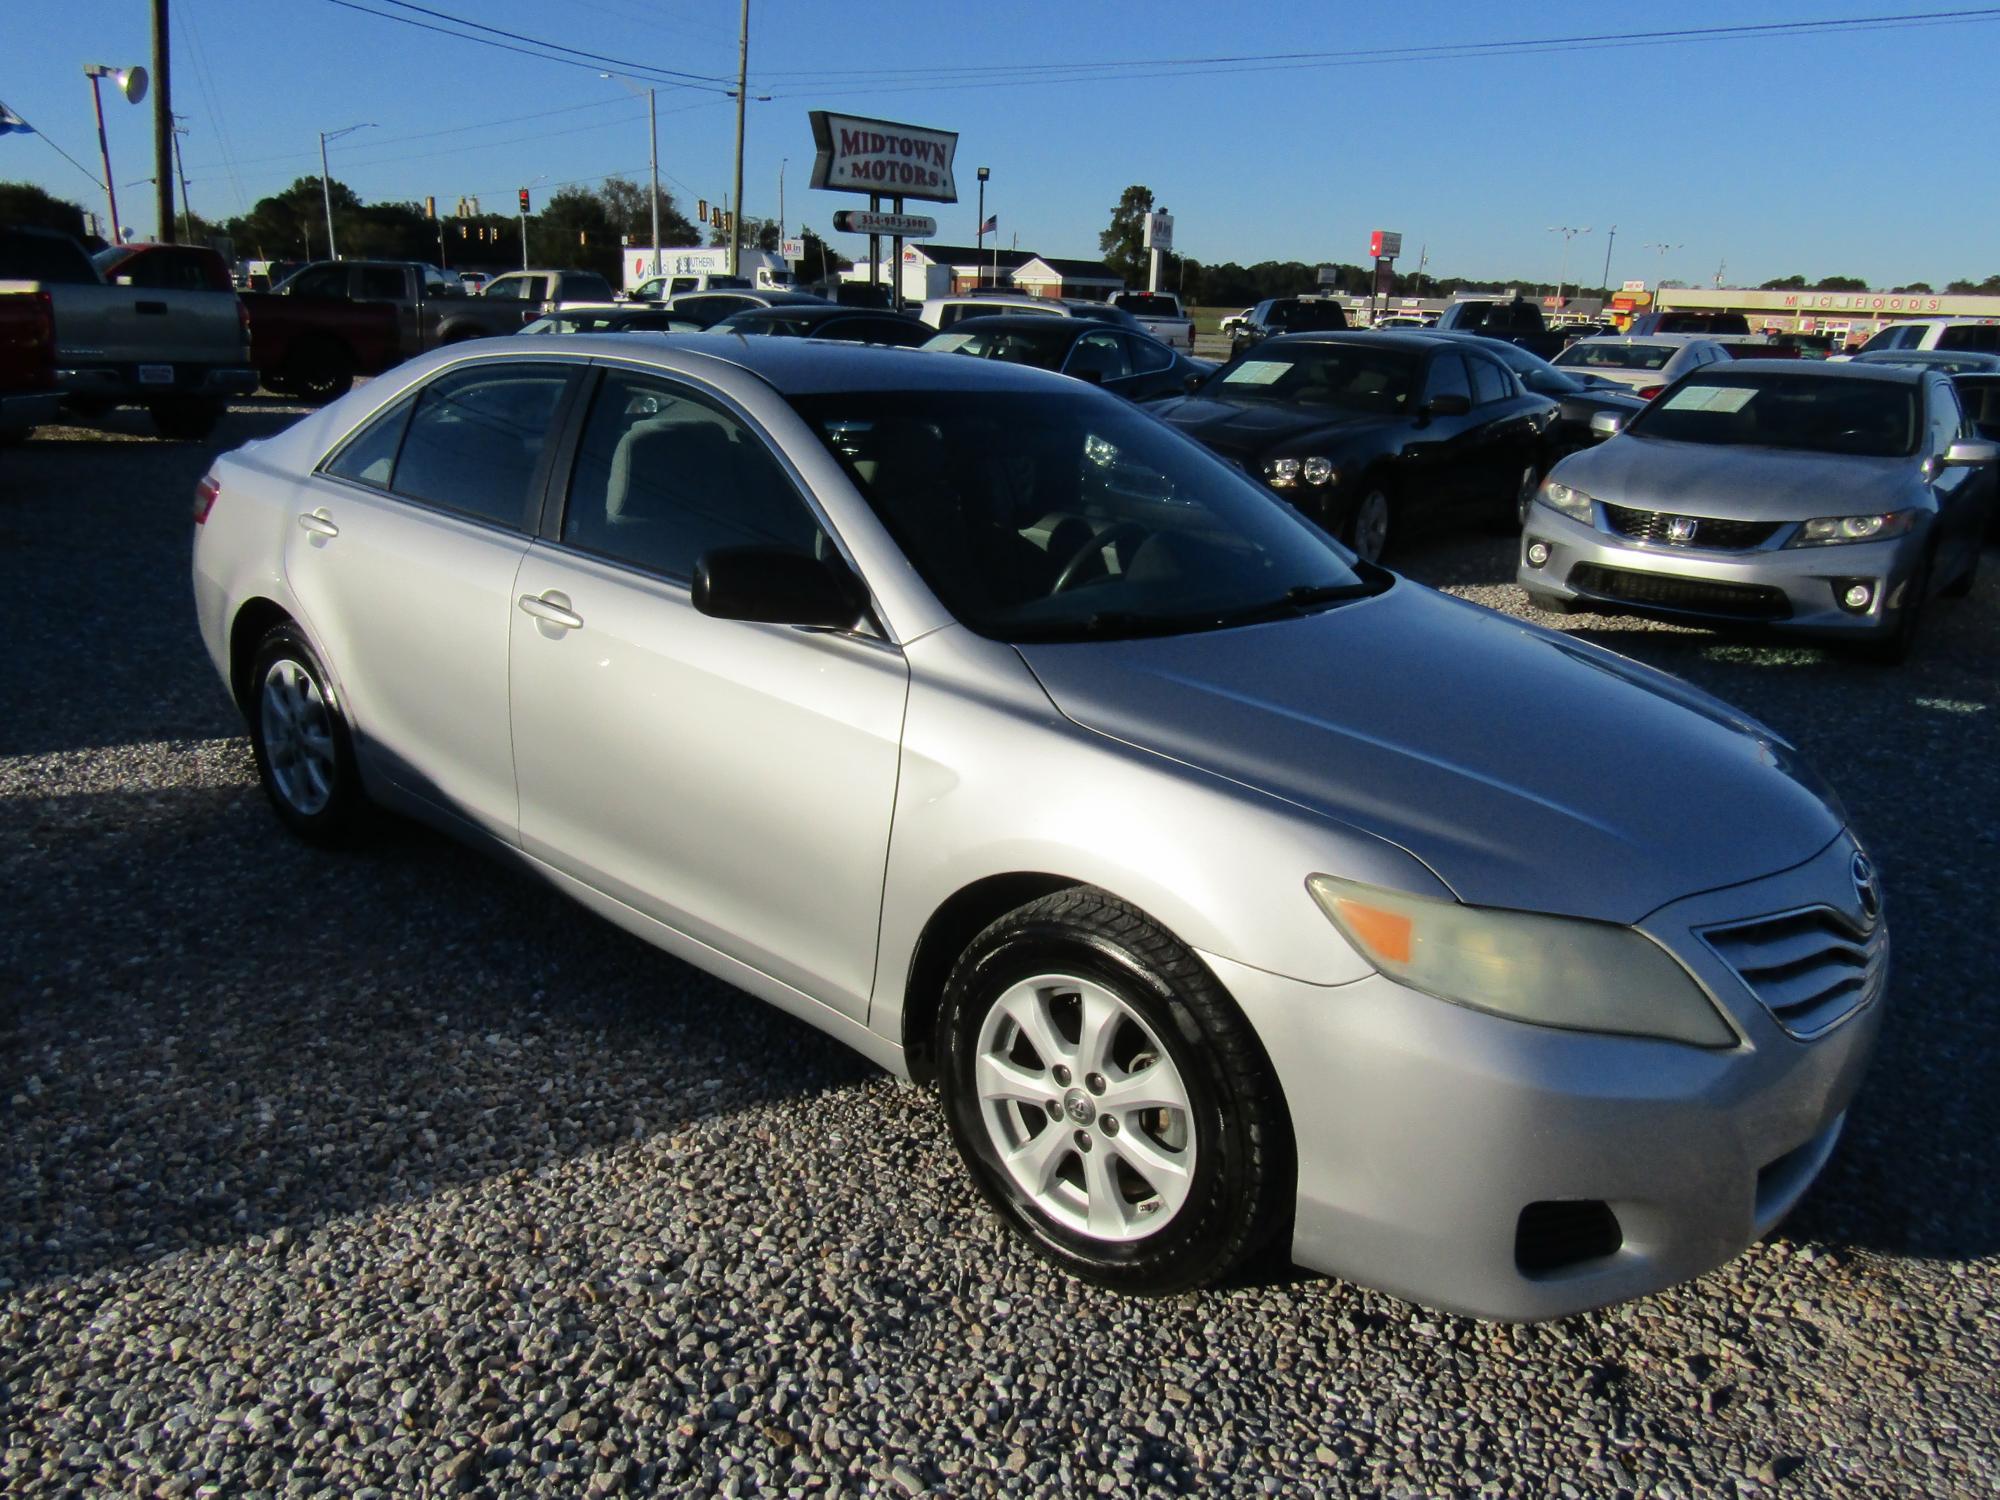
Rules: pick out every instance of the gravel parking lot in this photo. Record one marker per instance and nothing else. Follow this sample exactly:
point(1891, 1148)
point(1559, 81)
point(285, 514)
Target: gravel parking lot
point(394, 1173)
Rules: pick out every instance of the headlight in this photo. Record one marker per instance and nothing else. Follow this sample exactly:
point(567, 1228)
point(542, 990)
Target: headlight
point(1283, 473)
point(1827, 530)
point(1571, 502)
point(1552, 971)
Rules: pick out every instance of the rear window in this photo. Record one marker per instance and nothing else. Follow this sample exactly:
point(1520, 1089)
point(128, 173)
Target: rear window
point(44, 257)
point(1592, 356)
point(1147, 305)
point(585, 286)
point(1984, 336)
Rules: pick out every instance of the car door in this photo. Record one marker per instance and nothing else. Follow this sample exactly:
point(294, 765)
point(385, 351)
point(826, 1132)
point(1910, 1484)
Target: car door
point(1153, 370)
point(1962, 493)
point(1440, 465)
point(732, 780)
point(402, 559)
point(1100, 357)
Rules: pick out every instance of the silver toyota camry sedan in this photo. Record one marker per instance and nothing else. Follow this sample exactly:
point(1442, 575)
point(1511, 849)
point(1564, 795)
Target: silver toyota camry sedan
point(1226, 886)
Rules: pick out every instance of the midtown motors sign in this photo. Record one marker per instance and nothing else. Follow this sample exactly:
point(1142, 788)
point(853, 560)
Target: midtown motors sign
point(880, 156)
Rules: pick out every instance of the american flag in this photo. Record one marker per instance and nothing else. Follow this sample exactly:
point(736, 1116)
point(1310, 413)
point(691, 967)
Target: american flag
point(991, 225)
point(9, 121)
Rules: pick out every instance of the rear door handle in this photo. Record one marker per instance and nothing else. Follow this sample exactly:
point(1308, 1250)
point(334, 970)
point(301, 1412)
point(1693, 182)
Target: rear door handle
point(319, 523)
point(552, 607)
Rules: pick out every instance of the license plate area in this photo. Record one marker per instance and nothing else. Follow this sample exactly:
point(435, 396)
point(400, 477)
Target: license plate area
point(156, 374)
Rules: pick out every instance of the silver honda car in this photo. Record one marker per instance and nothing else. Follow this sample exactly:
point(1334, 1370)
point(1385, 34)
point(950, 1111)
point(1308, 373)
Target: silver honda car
point(1226, 886)
point(1832, 500)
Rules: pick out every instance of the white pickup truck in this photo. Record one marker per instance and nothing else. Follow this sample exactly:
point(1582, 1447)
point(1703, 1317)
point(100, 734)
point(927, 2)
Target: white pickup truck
point(1163, 316)
point(179, 352)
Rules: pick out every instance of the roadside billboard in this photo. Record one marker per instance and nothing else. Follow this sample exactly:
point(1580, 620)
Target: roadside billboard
point(860, 155)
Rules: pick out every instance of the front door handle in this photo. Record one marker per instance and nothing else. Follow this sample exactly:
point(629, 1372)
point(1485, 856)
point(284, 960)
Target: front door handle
point(319, 523)
point(552, 607)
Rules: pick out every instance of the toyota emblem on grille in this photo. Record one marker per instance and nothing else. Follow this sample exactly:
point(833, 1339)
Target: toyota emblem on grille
point(1680, 528)
point(1865, 889)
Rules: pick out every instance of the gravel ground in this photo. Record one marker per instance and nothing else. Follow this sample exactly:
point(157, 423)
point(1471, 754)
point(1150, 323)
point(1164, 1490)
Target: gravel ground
point(393, 1174)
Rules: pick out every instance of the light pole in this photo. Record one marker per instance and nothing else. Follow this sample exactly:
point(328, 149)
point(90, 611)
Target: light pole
point(980, 244)
point(326, 183)
point(1568, 234)
point(652, 158)
point(1659, 269)
point(132, 84)
point(783, 162)
point(742, 89)
point(1610, 240)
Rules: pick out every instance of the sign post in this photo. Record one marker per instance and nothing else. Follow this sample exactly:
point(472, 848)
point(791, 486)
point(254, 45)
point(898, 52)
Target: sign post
point(1159, 241)
point(1384, 245)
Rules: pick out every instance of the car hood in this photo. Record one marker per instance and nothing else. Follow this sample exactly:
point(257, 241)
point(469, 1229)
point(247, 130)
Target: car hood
point(1738, 484)
point(1526, 769)
point(1254, 427)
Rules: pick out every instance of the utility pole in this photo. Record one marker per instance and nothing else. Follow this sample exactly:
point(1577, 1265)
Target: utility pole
point(742, 95)
point(783, 162)
point(163, 128)
point(326, 182)
point(1605, 280)
point(653, 160)
point(180, 168)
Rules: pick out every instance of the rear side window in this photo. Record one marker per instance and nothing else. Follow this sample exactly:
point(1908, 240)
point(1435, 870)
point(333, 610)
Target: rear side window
point(1148, 355)
point(319, 281)
point(370, 455)
point(1985, 336)
point(663, 476)
point(476, 437)
point(1489, 381)
point(378, 283)
point(1947, 417)
point(1446, 377)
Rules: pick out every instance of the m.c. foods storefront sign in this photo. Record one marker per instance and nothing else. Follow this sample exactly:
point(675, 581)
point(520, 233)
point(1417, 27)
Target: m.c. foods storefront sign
point(880, 156)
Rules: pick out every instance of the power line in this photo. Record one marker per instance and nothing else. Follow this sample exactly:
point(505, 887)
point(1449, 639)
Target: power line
point(422, 135)
point(642, 71)
point(537, 41)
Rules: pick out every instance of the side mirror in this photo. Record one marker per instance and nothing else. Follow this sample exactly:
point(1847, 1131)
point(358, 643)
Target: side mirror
point(1964, 453)
point(1448, 405)
point(778, 586)
point(1193, 381)
point(1606, 424)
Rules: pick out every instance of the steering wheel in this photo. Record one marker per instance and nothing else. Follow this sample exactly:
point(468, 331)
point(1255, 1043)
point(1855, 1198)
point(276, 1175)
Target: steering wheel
point(1111, 536)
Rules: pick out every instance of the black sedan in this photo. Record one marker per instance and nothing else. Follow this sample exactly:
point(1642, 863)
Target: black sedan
point(1370, 434)
point(1136, 366)
point(1578, 396)
point(828, 320)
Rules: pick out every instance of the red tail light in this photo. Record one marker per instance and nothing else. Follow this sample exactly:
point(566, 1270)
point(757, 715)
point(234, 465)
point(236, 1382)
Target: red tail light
point(1648, 392)
point(205, 495)
point(243, 320)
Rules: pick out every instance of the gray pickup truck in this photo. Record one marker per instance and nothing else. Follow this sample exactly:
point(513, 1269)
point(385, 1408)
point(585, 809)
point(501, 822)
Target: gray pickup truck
point(178, 352)
point(432, 308)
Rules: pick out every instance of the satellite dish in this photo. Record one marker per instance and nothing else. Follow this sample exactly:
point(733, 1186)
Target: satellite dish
point(131, 83)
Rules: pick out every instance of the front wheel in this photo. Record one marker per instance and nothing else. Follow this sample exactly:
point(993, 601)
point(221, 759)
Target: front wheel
point(305, 755)
point(1368, 528)
point(1110, 1101)
point(1524, 491)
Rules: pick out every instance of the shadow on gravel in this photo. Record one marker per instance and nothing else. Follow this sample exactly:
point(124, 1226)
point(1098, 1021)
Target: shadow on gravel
point(215, 1032)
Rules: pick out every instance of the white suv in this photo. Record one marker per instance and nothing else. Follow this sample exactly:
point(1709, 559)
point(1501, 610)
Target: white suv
point(1982, 334)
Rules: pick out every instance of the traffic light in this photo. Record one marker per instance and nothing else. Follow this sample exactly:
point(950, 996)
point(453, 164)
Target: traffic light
point(702, 205)
point(583, 236)
point(430, 206)
point(524, 203)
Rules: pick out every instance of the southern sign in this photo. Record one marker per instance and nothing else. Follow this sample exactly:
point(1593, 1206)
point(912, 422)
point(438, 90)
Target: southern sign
point(859, 155)
point(1385, 244)
point(1329, 275)
point(792, 249)
point(860, 221)
point(1160, 232)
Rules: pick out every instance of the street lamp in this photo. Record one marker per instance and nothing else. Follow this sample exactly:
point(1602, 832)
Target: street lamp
point(1568, 234)
point(325, 184)
point(1663, 251)
point(132, 84)
point(652, 158)
point(980, 244)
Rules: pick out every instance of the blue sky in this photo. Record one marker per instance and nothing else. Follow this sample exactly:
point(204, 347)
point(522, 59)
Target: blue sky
point(1860, 154)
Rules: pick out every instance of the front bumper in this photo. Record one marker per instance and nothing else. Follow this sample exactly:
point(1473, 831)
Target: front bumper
point(121, 383)
point(1425, 1131)
point(25, 412)
point(1785, 588)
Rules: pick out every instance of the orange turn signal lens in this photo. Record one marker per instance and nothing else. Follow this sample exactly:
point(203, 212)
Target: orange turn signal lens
point(1385, 934)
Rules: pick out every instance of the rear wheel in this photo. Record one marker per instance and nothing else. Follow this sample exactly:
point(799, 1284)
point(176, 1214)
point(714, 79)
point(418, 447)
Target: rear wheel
point(1110, 1101)
point(305, 755)
point(1960, 586)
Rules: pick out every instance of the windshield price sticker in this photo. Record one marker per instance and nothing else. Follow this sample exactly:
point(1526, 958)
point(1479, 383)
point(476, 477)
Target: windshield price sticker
point(950, 341)
point(1258, 372)
point(1722, 398)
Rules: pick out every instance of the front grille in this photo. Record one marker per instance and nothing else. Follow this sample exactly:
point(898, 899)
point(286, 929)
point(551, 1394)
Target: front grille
point(1743, 601)
point(1710, 533)
point(1555, 1235)
point(1810, 969)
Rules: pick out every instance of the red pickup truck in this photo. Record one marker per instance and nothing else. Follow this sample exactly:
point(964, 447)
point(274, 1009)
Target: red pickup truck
point(28, 393)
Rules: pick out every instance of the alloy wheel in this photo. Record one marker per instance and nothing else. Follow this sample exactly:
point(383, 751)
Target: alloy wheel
point(1371, 526)
point(1084, 1108)
point(298, 737)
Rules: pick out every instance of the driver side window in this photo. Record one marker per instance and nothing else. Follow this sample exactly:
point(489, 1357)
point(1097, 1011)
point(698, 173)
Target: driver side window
point(1446, 377)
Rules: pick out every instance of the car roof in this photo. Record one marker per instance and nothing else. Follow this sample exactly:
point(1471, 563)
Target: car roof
point(1414, 339)
point(817, 311)
point(1820, 369)
point(1664, 340)
point(1039, 325)
point(802, 367)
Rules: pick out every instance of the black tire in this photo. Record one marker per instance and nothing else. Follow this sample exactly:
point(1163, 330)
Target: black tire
point(1960, 586)
point(1893, 647)
point(185, 419)
point(319, 371)
point(340, 815)
point(1240, 1187)
point(1549, 603)
point(1369, 531)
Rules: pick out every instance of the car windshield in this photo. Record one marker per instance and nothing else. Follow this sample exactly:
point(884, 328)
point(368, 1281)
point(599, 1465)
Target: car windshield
point(766, 323)
point(1594, 356)
point(1147, 305)
point(1354, 377)
point(1812, 413)
point(1308, 317)
point(1071, 516)
point(1042, 348)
